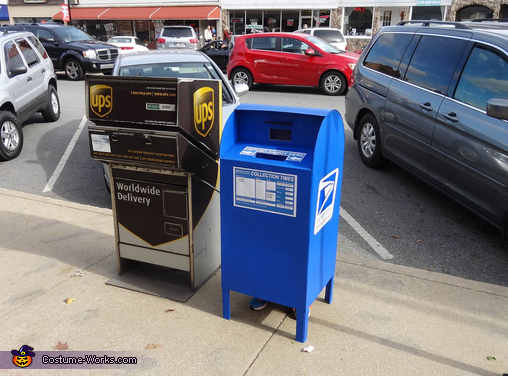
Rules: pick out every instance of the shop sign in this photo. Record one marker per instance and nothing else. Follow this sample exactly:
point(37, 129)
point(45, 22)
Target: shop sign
point(65, 13)
point(428, 2)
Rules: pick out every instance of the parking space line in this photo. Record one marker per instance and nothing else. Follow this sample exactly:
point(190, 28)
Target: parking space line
point(374, 244)
point(58, 170)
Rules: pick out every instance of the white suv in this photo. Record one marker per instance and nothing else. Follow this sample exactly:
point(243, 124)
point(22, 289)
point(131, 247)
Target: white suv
point(178, 36)
point(27, 85)
point(328, 34)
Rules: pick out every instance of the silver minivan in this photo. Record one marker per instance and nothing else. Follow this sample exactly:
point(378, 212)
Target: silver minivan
point(433, 98)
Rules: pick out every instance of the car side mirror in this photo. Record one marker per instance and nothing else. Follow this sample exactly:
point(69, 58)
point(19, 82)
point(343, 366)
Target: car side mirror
point(311, 52)
point(498, 108)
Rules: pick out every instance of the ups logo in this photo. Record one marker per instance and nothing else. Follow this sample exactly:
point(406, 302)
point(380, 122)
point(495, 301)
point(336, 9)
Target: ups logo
point(101, 99)
point(204, 110)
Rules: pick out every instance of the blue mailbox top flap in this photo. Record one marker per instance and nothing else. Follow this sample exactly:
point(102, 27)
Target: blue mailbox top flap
point(274, 127)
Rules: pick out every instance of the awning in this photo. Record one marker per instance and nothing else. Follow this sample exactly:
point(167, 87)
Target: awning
point(144, 13)
point(4, 12)
point(187, 13)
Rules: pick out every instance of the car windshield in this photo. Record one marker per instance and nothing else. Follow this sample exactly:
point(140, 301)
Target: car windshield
point(178, 69)
point(324, 45)
point(171, 69)
point(331, 36)
point(71, 34)
point(177, 32)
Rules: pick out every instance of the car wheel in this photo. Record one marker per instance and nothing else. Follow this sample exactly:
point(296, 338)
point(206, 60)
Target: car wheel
point(369, 142)
point(73, 70)
point(11, 136)
point(242, 76)
point(333, 83)
point(52, 111)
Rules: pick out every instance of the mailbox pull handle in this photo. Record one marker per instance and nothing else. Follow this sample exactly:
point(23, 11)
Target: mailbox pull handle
point(276, 157)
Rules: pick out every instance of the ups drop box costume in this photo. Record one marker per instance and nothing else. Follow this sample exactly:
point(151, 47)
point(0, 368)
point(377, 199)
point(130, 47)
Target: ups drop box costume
point(160, 137)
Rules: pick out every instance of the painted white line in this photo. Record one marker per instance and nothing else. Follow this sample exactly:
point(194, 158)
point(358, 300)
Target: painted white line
point(65, 157)
point(375, 245)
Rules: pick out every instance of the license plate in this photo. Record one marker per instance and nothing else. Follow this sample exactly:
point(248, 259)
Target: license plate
point(107, 66)
point(175, 44)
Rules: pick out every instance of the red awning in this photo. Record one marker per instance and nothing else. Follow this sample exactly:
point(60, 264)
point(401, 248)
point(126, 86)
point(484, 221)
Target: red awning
point(82, 13)
point(187, 13)
point(144, 13)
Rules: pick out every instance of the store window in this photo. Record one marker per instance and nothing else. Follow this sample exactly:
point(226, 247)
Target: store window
point(290, 21)
point(428, 13)
point(473, 12)
point(322, 18)
point(387, 18)
point(271, 21)
point(358, 21)
point(253, 22)
point(237, 20)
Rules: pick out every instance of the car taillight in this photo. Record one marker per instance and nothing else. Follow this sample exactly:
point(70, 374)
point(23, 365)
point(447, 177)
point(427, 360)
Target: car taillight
point(161, 40)
point(194, 41)
point(127, 48)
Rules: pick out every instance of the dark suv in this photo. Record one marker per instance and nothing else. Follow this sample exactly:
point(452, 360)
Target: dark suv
point(71, 49)
point(432, 97)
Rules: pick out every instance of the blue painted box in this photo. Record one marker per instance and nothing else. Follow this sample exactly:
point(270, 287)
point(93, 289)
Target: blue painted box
point(281, 177)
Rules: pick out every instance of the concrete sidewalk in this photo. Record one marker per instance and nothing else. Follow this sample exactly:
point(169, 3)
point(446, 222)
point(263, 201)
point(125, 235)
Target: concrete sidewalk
point(384, 320)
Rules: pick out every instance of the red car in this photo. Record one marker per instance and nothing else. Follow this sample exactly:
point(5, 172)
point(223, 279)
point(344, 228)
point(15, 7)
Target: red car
point(290, 59)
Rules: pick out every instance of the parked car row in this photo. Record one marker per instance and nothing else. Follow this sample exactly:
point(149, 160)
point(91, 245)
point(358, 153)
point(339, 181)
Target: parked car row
point(429, 96)
point(71, 50)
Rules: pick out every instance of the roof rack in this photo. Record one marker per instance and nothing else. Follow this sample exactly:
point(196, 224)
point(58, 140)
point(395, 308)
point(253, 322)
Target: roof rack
point(490, 20)
point(457, 25)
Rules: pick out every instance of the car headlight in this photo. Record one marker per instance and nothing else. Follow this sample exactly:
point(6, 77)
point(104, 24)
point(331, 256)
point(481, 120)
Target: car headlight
point(90, 54)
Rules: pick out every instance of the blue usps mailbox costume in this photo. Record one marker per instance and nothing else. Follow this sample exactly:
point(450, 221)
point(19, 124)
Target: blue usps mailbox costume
point(281, 176)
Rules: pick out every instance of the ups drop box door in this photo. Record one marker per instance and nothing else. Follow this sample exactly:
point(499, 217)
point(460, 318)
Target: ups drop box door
point(153, 218)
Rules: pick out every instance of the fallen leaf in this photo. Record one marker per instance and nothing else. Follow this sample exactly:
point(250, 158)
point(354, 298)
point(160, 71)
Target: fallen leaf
point(61, 346)
point(169, 310)
point(69, 300)
point(153, 346)
point(419, 241)
point(491, 358)
point(396, 236)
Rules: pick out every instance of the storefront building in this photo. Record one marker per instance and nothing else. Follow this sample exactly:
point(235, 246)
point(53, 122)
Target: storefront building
point(145, 22)
point(358, 20)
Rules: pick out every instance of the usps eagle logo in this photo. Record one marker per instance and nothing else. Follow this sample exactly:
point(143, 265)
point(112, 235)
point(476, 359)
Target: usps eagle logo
point(326, 199)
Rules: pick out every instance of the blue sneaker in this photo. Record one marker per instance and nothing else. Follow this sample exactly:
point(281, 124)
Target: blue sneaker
point(258, 304)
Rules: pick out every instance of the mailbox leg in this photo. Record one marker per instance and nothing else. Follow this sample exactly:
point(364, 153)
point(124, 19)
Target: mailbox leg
point(226, 305)
point(329, 290)
point(302, 323)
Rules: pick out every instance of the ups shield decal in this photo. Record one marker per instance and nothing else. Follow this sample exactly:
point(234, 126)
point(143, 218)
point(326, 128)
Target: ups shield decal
point(101, 99)
point(204, 110)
